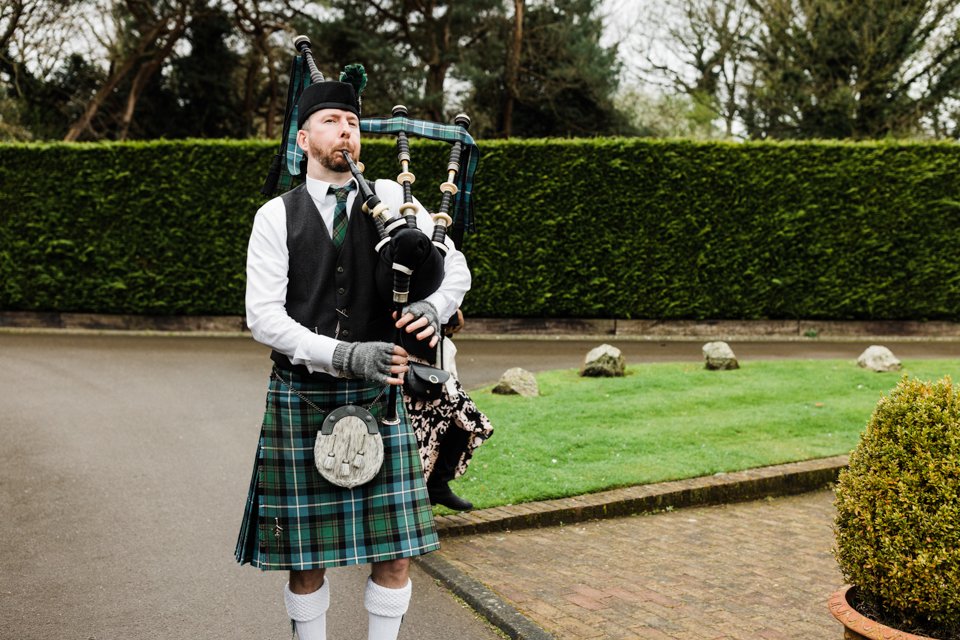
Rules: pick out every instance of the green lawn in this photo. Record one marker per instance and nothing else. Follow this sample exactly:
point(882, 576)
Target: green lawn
point(669, 421)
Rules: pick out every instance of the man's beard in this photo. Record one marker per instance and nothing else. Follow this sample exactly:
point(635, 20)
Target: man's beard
point(332, 159)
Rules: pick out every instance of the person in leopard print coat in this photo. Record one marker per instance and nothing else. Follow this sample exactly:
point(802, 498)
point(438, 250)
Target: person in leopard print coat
point(448, 429)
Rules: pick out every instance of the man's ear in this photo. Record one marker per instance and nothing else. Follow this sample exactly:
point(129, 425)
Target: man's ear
point(302, 140)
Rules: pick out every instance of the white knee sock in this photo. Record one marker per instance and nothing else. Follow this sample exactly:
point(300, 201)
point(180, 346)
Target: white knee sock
point(309, 611)
point(386, 608)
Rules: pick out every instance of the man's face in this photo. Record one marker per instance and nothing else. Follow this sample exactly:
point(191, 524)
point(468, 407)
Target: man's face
point(326, 134)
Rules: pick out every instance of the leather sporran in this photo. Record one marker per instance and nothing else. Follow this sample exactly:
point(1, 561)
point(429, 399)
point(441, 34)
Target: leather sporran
point(424, 382)
point(349, 448)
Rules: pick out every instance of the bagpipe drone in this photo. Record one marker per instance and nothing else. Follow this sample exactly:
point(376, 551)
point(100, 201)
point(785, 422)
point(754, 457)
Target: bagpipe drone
point(410, 263)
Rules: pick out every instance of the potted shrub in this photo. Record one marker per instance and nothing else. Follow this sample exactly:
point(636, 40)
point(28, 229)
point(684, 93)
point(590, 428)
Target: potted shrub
point(898, 518)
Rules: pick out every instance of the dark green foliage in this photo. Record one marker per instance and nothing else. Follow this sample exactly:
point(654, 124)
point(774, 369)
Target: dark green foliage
point(198, 96)
point(406, 48)
point(201, 89)
point(608, 228)
point(565, 80)
point(653, 229)
point(898, 509)
point(49, 107)
point(861, 70)
point(144, 228)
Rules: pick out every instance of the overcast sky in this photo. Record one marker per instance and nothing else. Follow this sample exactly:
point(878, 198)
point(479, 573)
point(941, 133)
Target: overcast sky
point(630, 25)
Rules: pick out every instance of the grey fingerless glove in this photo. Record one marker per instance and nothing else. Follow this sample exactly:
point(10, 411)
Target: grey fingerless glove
point(426, 310)
point(367, 360)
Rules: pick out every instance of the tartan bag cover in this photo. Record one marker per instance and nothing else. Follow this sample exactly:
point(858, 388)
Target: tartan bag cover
point(295, 519)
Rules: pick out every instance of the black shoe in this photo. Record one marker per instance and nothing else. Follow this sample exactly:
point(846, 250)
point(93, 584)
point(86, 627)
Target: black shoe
point(443, 495)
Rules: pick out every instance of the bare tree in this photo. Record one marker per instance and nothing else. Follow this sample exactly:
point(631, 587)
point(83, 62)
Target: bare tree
point(862, 70)
point(12, 13)
point(699, 49)
point(146, 34)
point(267, 29)
point(817, 68)
point(34, 36)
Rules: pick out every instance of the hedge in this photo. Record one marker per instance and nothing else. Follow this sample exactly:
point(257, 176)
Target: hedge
point(599, 228)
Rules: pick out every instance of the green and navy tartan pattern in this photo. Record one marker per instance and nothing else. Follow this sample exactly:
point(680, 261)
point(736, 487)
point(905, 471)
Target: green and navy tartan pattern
point(469, 156)
point(295, 519)
point(340, 213)
point(291, 154)
point(299, 81)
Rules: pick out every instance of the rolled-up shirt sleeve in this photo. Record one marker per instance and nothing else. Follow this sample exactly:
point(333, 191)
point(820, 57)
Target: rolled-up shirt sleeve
point(266, 294)
point(456, 282)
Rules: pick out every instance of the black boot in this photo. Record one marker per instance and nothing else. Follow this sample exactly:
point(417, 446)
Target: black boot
point(452, 445)
point(441, 493)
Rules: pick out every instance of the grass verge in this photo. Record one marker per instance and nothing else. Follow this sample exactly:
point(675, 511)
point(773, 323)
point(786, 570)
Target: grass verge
point(669, 421)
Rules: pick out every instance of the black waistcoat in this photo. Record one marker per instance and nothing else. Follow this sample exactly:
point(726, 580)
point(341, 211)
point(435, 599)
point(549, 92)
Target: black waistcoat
point(326, 287)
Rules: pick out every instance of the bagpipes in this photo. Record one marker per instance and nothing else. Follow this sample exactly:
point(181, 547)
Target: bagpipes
point(410, 263)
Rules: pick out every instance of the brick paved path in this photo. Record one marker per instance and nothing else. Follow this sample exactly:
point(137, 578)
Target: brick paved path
point(760, 569)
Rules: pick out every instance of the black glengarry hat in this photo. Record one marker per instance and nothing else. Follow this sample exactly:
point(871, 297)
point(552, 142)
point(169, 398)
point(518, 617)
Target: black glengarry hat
point(332, 94)
point(327, 95)
point(304, 98)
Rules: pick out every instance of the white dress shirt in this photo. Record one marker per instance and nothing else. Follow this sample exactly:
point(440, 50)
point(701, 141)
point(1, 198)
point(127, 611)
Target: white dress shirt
point(267, 280)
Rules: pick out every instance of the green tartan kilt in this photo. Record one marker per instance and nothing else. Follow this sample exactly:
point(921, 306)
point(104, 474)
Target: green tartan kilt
point(295, 519)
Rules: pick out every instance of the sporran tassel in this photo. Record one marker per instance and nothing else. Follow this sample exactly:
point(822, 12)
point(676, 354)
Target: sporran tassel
point(329, 462)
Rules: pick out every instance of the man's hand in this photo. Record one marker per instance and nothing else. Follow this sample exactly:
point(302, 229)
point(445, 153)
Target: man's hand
point(421, 317)
point(378, 361)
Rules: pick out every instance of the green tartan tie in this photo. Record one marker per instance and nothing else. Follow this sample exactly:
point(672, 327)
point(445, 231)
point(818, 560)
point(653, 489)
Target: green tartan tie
point(340, 213)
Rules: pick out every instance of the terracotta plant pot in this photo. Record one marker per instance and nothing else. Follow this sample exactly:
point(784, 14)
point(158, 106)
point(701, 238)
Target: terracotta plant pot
point(859, 627)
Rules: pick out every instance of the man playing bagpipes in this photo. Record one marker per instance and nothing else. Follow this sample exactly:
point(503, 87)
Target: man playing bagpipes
point(337, 478)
